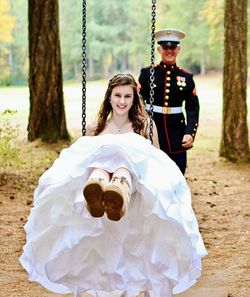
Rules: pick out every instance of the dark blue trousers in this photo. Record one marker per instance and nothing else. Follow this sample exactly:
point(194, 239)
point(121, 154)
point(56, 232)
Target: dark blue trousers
point(180, 159)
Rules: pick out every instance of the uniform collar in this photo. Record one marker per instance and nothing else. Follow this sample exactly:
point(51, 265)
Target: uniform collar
point(168, 67)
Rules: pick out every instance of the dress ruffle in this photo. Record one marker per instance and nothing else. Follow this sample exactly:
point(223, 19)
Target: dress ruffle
point(156, 247)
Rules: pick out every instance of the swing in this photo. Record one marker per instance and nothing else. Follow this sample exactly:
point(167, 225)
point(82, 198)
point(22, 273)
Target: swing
point(152, 55)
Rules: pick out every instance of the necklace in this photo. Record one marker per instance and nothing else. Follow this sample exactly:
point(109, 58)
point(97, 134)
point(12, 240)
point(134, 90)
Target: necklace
point(120, 127)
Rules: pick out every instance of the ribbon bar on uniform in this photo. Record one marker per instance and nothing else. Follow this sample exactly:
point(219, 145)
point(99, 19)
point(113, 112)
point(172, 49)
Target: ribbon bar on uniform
point(165, 109)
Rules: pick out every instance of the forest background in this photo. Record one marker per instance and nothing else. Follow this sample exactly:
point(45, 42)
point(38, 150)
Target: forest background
point(118, 36)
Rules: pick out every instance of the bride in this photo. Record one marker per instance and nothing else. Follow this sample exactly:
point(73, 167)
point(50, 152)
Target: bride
point(113, 215)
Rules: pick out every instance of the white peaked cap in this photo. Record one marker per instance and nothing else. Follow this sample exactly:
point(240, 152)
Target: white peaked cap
point(169, 35)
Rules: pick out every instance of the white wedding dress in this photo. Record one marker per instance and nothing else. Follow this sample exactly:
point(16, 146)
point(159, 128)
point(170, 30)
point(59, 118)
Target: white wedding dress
point(155, 248)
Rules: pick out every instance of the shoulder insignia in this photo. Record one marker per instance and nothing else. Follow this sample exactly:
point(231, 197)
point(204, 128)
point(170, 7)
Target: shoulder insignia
point(148, 67)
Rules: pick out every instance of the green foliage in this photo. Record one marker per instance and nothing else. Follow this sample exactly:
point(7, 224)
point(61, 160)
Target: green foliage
point(6, 37)
point(114, 36)
point(70, 21)
point(118, 36)
point(18, 50)
point(180, 14)
point(6, 22)
point(9, 152)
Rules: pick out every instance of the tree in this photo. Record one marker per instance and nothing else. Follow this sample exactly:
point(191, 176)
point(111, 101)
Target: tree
point(18, 50)
point(179, 14)
point(234, 142)
point(71, 40)
point(109, 34)
point(6, 27)
point(213, 14)
point(47, 115)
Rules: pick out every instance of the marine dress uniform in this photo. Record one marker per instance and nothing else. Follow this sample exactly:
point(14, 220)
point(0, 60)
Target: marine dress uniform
point(172, 86)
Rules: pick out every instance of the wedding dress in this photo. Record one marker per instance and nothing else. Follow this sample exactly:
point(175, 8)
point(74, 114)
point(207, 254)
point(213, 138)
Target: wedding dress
point(155, 248)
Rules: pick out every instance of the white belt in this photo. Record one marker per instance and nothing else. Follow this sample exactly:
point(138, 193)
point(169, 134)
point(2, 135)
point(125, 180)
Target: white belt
point(165, 109)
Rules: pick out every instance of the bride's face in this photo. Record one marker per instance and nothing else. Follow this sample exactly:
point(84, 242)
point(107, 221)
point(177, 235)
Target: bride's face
point(121, 99)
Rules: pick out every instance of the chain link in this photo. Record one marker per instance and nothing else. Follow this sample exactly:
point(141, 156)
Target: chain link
point(83, 67)
point(152, 69)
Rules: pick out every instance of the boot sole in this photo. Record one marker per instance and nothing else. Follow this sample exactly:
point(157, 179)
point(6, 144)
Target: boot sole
point(93, 194)
point(113, 205)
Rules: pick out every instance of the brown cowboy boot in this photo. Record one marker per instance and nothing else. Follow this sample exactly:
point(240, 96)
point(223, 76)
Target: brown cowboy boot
point(116, 198)
point(93, 193)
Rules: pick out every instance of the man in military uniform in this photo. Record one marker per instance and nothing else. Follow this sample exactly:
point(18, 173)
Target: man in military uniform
point(172, 86)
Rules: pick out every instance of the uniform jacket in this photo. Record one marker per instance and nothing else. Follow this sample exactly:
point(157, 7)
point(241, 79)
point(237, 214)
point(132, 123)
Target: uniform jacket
point(172, 86)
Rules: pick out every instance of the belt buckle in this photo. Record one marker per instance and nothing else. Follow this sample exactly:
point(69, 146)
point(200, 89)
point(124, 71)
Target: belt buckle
point(166, 109)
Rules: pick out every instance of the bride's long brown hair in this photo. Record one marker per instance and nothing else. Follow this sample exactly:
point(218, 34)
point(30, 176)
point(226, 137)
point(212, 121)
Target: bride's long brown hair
point(137, 114)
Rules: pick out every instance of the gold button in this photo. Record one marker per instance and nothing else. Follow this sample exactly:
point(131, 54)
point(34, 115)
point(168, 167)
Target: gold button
point(167, 91)
point(164, 66)
point(167, 84)
point(166, 103)
point(181, 88)
point(168, 78)
point(193, 134)
point(167, 97)
point(168, 72)
point(196, 124)
point(194, 129)
point(182, 121)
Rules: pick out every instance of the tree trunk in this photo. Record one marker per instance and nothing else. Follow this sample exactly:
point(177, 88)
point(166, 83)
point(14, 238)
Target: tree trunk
point(106, 70)
point(91, 67)
point(203, 63)
point(47, 115)
point(11, 66)
point(234, 142)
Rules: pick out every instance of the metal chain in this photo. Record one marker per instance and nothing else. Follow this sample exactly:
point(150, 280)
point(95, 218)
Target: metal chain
point(83, 67)
point(152, 70)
